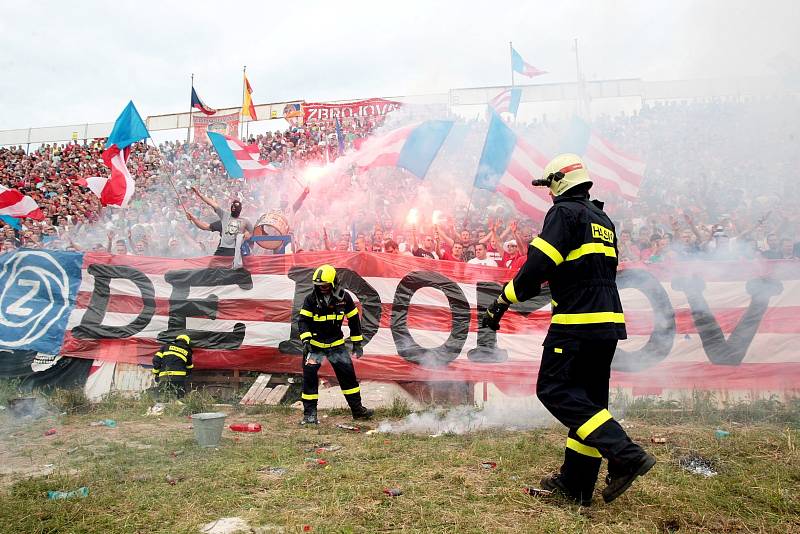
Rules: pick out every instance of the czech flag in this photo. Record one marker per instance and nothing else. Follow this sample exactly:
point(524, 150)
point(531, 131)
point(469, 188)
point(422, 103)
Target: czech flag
point(526, 69)
point(15, 204)
point(200, 105)
point(118, 189)
point(507, 166)
point(507, 101)
point(240, 160)
point(412, 148)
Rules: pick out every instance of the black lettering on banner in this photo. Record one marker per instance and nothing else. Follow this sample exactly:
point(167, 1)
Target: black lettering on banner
point(367, 295)
point(487, 350)
point(460, 318)
point(181, 307)
point(663, 336)
point(302, 287)
point(733, 350)
point(92, 326)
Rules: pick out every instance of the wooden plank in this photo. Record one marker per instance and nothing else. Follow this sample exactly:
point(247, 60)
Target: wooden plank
point(276, 395)
point(261, 396)
point(256, 389)
point(257, 394)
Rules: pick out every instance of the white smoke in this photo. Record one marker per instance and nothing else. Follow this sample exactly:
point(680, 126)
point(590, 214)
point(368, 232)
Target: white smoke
point(459, 420)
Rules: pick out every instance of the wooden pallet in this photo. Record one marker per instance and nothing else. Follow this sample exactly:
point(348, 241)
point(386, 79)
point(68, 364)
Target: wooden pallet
point(257, 391)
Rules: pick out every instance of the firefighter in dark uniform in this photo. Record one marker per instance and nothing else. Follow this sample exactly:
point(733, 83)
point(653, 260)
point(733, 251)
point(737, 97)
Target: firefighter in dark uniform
point(172, 365)
point(320, 324)
point(577, 253)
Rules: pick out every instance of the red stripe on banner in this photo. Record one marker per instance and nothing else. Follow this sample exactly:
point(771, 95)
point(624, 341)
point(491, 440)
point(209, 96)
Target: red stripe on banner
point(777, 320)
point(520, 375)
point(397, 266)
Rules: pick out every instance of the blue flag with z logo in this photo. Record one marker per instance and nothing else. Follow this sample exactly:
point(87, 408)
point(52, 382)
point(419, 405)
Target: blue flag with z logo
point(37, 294)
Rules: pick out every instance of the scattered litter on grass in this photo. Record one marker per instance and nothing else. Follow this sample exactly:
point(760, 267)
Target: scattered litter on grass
point(698, 465)
point(488, 465)
point(141, 477)
point(56, 495)
point(273, 471)
point(393, 492)
point(177, 453)
point(156, 409)
point(326, 447)
point(719, 433)
point(315, 462)
point(658, 439)
point(110, 423)
point(536, 492)
point(370, 432)
point(226, 525)
point(171, 480)
point(50, 432)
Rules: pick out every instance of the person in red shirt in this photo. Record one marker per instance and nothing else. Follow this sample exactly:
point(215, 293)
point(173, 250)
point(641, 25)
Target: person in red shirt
point(456, 254)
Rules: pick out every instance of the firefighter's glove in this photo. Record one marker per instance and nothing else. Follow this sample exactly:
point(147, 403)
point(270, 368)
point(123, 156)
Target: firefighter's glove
point(306, 349)
point(493, 314)
point(358, 350)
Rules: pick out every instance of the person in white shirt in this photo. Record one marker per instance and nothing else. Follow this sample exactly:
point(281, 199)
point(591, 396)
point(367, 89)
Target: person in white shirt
point(480, 256)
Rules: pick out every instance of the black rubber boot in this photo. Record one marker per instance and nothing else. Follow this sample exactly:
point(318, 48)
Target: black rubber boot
point(309, 415)
point(618, 483)
point(359, 412)
point(556, 484)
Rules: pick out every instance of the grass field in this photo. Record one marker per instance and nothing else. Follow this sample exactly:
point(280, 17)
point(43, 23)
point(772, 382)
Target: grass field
point(445, 487)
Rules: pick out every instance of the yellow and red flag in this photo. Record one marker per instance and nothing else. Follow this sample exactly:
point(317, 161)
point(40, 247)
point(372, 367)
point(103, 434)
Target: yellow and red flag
point(248, 109)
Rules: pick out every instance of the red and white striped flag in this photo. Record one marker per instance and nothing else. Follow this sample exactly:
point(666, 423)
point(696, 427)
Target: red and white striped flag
point(610, 168)
point(15, 204)
point(119, 188)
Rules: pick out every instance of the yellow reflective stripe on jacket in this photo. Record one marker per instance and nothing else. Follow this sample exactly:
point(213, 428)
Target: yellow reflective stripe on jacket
point(356, 338)
point(333, 317)
point(591, 248)
point(351, 391)
point(588, 318)
point(179, 350)
point(580, 448)
point(173, 353)
point(509, 293)
point(352, 312)
point(305, 335)
point(155, 371)
point(548, 249)
point(159, 355)
point(306, 313)
point(172, 373)
point(309, 396)
point(190, 366)
point(336, 343)
point(593, 423)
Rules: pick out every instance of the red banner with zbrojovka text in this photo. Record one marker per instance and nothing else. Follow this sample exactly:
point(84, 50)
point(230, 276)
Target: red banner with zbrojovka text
point(698, 325)
point(321, 111)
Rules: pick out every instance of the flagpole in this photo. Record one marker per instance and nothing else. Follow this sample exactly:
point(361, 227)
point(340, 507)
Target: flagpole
point(579, 82)
point(189, 127)
point(511, 57)
point(469, 205)
point(177, 195)
point(241, 111)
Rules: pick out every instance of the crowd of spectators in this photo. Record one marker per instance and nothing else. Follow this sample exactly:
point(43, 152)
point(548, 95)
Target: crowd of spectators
point(717, 186)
